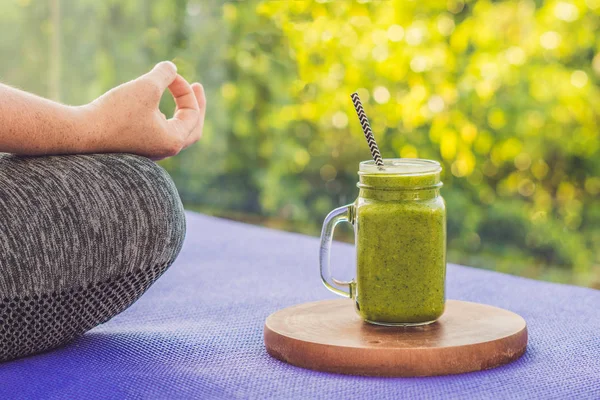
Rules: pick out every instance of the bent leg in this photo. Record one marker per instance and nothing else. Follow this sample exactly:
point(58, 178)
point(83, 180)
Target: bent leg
point(81, 238)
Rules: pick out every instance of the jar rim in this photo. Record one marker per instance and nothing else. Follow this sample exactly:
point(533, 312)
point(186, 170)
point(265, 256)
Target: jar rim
point(401, 166)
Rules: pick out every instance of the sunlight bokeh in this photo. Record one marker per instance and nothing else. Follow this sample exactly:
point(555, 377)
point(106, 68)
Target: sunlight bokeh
point(504, 94)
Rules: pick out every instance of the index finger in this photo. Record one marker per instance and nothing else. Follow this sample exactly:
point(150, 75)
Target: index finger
point(187, 113)
point(183, 93)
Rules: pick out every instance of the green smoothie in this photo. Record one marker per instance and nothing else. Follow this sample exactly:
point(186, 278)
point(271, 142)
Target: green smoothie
point(400, 222)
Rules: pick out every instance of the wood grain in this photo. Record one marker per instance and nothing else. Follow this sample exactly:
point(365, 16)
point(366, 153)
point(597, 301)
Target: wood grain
point(329, 336)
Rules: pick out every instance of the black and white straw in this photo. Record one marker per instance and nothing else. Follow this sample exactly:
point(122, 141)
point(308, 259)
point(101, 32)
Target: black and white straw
point(364, 122)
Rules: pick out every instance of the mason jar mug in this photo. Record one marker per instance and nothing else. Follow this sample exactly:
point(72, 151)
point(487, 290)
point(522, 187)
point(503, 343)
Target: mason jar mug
point(399, 221)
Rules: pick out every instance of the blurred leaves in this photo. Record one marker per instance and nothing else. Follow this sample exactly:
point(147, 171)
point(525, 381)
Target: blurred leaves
point(505, 94)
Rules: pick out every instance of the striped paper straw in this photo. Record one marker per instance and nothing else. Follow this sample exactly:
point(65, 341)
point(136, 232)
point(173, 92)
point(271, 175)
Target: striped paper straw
point(364, 122)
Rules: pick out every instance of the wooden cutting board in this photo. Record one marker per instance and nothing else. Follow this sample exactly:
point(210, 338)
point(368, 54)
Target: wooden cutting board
point(329, 336)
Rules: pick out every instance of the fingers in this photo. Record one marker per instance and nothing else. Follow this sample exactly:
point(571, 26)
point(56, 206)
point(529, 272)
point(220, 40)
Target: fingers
point(201, 101)
point(162, 75)
point(186, 113)
point(183, 94)
point(200, 97)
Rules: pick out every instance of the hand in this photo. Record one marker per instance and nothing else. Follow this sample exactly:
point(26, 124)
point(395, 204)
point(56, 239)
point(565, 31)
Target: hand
point(129, 120)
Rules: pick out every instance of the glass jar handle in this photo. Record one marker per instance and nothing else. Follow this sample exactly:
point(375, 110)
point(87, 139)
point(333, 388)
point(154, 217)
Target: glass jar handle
point(341, 214)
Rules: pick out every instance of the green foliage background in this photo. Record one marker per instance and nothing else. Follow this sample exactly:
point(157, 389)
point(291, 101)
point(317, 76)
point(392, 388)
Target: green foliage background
point(505, 94)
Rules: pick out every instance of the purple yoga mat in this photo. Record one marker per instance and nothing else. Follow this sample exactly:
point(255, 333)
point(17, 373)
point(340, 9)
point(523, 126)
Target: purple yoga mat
point(198, 333)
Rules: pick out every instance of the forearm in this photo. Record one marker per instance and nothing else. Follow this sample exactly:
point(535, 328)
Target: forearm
point(126, 119)
point(32, 125)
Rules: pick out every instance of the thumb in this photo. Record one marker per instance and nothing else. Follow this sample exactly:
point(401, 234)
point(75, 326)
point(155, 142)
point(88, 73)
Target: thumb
point(162, 75)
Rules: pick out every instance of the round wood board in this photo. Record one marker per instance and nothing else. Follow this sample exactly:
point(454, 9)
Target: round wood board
point(329, 336)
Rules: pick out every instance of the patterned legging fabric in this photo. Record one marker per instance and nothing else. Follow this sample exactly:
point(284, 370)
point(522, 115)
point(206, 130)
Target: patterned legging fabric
point(82, 237)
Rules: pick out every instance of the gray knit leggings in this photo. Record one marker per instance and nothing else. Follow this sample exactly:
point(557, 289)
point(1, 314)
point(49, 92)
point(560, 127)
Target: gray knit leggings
point(81, 238)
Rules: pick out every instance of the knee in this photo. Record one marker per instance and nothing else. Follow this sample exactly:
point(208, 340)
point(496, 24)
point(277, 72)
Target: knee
point(86, 218)
point(148, 217)
point(148, 212)
point(81, 238)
